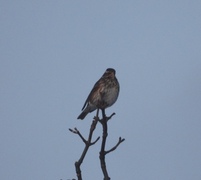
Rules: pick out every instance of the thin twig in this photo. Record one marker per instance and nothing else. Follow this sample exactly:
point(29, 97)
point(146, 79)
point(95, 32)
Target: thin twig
point(76, 131)
point(118, 143)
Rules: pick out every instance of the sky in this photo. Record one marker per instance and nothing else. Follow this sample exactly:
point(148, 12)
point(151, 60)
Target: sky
point(52, 53)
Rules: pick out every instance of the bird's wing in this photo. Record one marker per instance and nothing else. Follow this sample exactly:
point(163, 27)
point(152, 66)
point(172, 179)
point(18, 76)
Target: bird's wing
point(94, 89)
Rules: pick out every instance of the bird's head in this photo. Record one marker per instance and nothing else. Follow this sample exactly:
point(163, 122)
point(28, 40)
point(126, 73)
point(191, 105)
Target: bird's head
point(110, 72)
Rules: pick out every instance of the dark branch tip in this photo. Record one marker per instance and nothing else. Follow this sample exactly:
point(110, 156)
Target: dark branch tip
point(75, 131)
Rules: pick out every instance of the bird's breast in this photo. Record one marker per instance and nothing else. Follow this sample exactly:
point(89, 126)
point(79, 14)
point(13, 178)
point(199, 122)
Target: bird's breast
point(111, 96)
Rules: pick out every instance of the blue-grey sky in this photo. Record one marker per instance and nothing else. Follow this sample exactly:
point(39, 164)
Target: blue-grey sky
point(52, 53)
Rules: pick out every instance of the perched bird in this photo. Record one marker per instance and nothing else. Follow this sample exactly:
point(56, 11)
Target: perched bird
point(104, 93)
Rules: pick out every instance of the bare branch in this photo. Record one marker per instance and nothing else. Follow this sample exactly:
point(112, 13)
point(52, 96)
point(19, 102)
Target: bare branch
point(76, 131)
point(108, 118)
point(95, 141)
point(118, 143)
point(102, 151)
point(87, 143)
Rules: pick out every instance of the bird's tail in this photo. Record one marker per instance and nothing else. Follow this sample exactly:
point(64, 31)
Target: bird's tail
point(82, 115)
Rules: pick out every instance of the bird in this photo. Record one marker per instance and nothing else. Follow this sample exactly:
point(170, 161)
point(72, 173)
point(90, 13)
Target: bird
point(103, 94)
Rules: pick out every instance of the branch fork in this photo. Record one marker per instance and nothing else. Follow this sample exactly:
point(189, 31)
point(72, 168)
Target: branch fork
point(88, 142)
